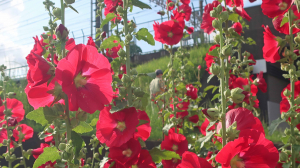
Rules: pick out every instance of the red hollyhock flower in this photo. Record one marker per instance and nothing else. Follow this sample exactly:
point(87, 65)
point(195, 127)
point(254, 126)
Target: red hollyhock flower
point(285, 29)
point(180, 114)
point(49, 138)
point(175, 142)
point(191, 160)
point(26, 130)
point(126, 154)
point(239, 4)
point(244, 120)
point(209, 59)
point(113, 52)
point(143, 131)
point(170, 7)
point(48, 164)
point(241, 83)
point(190, 30)
point(16, 108)
point(191, 91)
point(122, 71)
point(36, 152)
point(91, 42)
point(113, 164)
point(182, 105)
point(297, 90)
point(112, 9)
point(251, 149)
point(204, 125)
point(186, 2)
point(251, 57)
point(271, 46)
point(194, 118)
point(3, 134)
point(113, 3)
point(183, 10)
point(86, 78)
point(173, 163)
point(262, 85)
point(168, 32)
point(275, 7)
point(238, 27)
point(207, 19)
point(199, 67)
point(115, 129)
point(145, 160)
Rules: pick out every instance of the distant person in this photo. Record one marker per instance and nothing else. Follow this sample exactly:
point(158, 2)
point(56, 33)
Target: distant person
point(157, 85)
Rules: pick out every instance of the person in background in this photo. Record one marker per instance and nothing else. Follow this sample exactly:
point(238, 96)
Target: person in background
point(157, 85)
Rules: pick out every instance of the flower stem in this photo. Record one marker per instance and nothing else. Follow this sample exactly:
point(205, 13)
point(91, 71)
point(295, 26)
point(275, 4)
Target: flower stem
point(68, 123)
point(223, 102)
point(292, 88)
point(63, 22)
point(129, 92)
point(93, 157)
point(173, 85)
point(23, 155)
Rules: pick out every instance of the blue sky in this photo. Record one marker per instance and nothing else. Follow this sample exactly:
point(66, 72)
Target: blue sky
point(22, 19)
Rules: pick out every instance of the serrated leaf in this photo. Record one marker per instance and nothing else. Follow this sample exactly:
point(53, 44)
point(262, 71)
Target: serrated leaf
point(108, 18)
point(233, 17)
point(159, 155)
point(284, 21)
point(210, 77)
point(119, 106)
point(77, 143)
point(167, 127)
point(73, 8)
point(215, 96)
point(250, 41)
point(37, 116)
point(142, 122)
point(274, 124)
point(180, 87)
point(286, 76)
point(285, 139)
point(140, 4)
point(83, 127)
point(94, 122)
point(109, 42)
point(143, 34)
point(49, 154)
point(209, 87)
point(50, 115)
point(205, 139)
point(214, 52)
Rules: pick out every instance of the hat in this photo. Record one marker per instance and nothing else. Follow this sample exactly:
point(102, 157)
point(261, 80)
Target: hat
point(158, 72)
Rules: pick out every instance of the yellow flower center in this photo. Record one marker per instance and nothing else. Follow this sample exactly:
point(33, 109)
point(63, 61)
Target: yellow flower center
point(80, 81)
point(134, 166)
point(174, 160)
point(283, 5)
point(175, 147)
point(237, 162)
point(127, 152)
point(170, 34)
point(180, 105)
point(121, 126)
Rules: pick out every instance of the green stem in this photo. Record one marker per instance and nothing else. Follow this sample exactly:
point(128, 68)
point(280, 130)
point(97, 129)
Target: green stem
point(8, 134)
point(292, 88)
point(68, 123)
point(63, 22)
point(93, 156)
point(129, 92)
point(223, 103)
point(173, 85)
point(22, 150)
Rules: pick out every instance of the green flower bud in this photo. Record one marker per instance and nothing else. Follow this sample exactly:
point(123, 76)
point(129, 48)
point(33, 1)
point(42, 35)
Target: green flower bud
point(74, 122)
point(219, 8)
point(131, 29)
point(227, 50)
point(297, 101)
point(297, 39)
point(66, 155)
point(213, 13)
point(69, 1)
point(120, 9)
point(7, 112)
point(49, 130)
point(214, 69)
point(121, 53)
point(61, 32)
point(62, 146)
point(212, 114)
point(298, 73)
point(96, 155)
point(233, 60)
point(237, 96)
point(81, 115)
point(227, 93)
point(125, 78)
point(217, 38)
point(224, 16)
point(45, 36)
point(128, 37)
point(89, 160)
point(171, 4)
point(57, 12)
point(45, 28)
point(232, 132)
point(11, 95)
point(216, 24)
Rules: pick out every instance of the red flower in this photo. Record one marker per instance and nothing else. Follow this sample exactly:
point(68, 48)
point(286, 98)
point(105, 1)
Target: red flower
point(204, 125)
point(113, 3)
point(209, 59)
point(251, 149)
point(115, 129)
point(186, 2)
point(36, 152)
point(244, 120)
point(126, 154)
point(191, 160)
point(168, 32)
point(183, 10)
point(238, 27)
point(86, 78)
point(275, 7)
point(3, 134)
point(49, 138)
point(190, 30)
point(145, 160)
point(26, 130)
point(262, 85)
point(207, 19)
point(112, 9)
point(113, 52)
point(180, 114)
point(251, 57)
point(191, 91)
point(113, 164)
point(175, 142)
point(199, 67)
point(171, 7)
point(271, 46)
point(285, 29)
point(122, 71)
point(91, 42)
point(194, 118)
point(143, 131)
point(16, 108)
point(297, 89)
point(173, 163)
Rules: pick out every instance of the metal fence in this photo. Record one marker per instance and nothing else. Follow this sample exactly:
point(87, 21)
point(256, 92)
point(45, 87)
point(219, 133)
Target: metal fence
point(16, 73)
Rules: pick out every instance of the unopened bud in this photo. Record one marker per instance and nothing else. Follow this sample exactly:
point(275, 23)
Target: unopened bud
point(219, 8)
point(61, 32)
point(11, 95)
point(69, 1)
point(62, 146)
point(120, 9)
point(45, 28)
point(216, 24)
point(297, 39)
point(211, 114)
point(96, 155)
point(283, 156)
point(81, 115)
point(213, 13)
point(128, 37)
point(12, 121)
point(227, 93)
point(162, 13)
point(217, 38)
point(227, 50)
point(214, 69)
point(237, 96)
point(224, 16)
point(57, 12)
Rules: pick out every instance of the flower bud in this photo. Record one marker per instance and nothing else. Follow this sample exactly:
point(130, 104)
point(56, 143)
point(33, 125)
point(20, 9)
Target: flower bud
point(162, 13)
point(213, 13)
point(81, 115)
point(11, 95)
point(214, 69)
point(7, 112)
point(217, 38)
point(297, 39)
point(69, 1)
point(45, 28)
point(211, 114)
point(61, 32)
point(96, 155)
point(219, 8)
point(233, 60)
point(283, 156)
point(57, 12)
point(298, 73)
point(62, 146)
point(199, 67)
point(237, 96)
point(12, 121)
point(227, 93)
point(45, 36)
point(89, 160)
point(128, 37)
point(227, 50)
point(120, 9)
point(224, 16)
point(171, 4)
point(216, 24)
point(103, 34)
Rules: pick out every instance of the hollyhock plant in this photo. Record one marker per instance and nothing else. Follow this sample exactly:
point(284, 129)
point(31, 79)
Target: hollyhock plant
point(194, 119)
point(169, 6)
point(285, 29)
point(207, 19)
point(25, 130)
point(168, 32)
point(251, 149)
point(209, 59)
point(144, 130)
point(262, 85)
point(191, 91)
point(238, 27)
point(191, 160)
point(115, 129)
point(16, 108)
point(185, 10)
point(126, 154)
point(275, 7)
point(86, 78)
point(175, 142)
point(113, 52)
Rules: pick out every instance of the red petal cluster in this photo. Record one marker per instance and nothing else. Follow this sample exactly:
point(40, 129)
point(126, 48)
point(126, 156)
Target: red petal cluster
point(191, 160)
point(191, 91)
point(207, 19)
point(209, 59)
point(273, 8)
point(168, 32)
point(113, 52)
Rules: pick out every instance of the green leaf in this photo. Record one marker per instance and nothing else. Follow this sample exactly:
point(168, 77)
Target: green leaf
point(211, 124)
point(167, 127)
point(109, 42)
point(233, 17)
point(209, 87)
point(205, 139)
point(159, 155)
point(56, 19)
point(77, 142)
point(37, 116)
point(214, 52)
point(73, 8)
point(119, 106)
point(216, 87)
point(108, 18)
point(286, 165)
point(250, 41)
point(49, 154)
point(284, 21)
point(100, 149)
point(143, 34)
point(140, 4)
point(210, 77)
point(94, 122)
point(17, 165)
point(50, 114)
point(181, 87)
point(285, 139)
point(296, 148)
point(83, 127)
point(274, 124)
point(141, 122)
point(215, 96)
